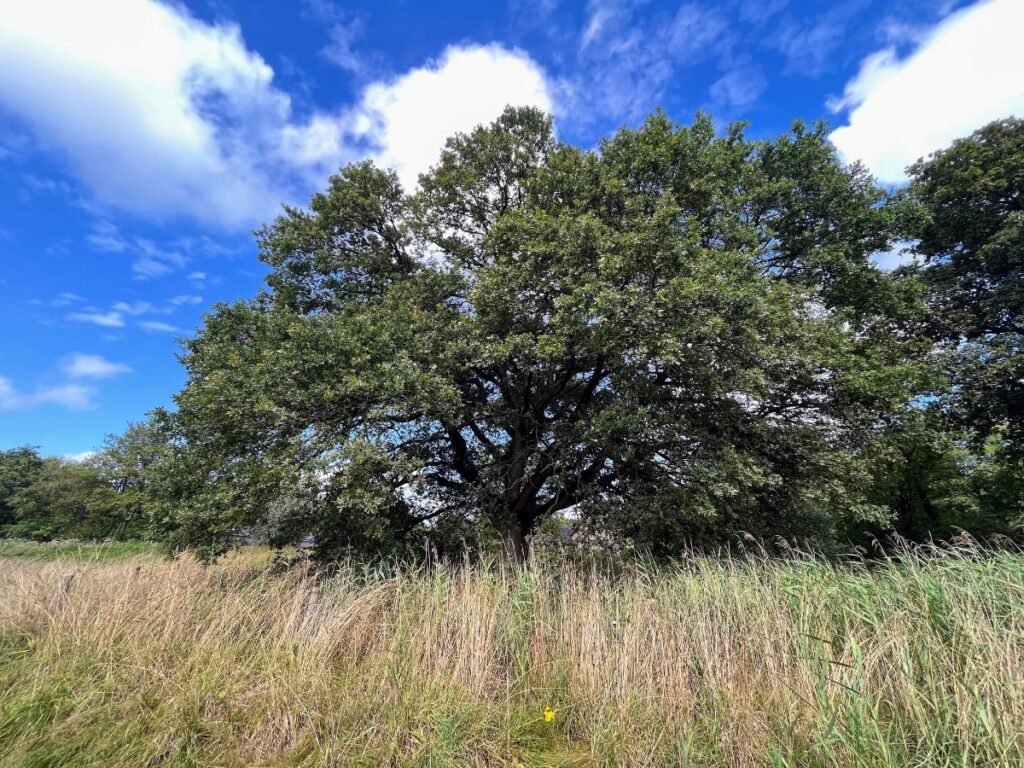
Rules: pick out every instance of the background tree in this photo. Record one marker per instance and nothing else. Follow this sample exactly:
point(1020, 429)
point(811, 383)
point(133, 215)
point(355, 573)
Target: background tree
point(680, 337)
point(65, 500)
point(968, 216)
point(128, 463)
point(19, 467)
point(970, 227)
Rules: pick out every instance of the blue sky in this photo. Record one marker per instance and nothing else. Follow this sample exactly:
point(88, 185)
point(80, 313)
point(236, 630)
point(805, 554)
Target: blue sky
point(141, 142)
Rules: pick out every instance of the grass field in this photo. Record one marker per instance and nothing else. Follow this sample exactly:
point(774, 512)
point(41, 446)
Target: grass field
point(76, 550)
point(140, 661)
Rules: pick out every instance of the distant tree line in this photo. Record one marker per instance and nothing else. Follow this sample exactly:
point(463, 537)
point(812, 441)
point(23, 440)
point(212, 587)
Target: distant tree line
point(675, 340)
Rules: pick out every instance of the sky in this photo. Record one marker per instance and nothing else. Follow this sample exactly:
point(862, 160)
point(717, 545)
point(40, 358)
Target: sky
point(142, 142)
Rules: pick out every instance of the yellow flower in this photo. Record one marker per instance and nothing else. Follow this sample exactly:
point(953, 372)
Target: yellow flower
point(549, 714)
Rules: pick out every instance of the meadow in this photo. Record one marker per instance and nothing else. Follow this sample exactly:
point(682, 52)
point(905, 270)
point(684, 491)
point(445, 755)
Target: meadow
point(136, 660)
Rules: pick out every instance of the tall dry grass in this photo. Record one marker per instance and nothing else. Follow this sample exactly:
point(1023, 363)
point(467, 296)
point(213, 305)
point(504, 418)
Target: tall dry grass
point(147, 662)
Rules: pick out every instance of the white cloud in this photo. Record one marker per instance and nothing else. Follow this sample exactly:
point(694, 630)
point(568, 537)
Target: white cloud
point(66, 298)
point(79, 457)
point(153, 261)
point(80, 366)
point(115, 316)
point(342, 31)
point(410, 117)
point(130, 92)
point(627, 59)
point(112, 319)
point(901, 252)
point(137, 308)
point(162, 114)
point(149, 260)
point(106, 237)
point(73, 396)
point(187, 298)
point(154, 326)
point(965, 73)
point(738, 88)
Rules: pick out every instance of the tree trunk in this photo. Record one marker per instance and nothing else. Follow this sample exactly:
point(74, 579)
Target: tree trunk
point(514, 543)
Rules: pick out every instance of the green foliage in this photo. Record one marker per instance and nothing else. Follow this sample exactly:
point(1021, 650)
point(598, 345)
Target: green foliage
point(969, 203)
point(927, 473)
point(105, 496)
point(18, 468)
point(966, 209)
point(67, 500)
point(130, 463)
point(681, 337)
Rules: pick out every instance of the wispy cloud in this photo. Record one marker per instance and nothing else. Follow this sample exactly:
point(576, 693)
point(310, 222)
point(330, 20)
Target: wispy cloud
point(738, 88)
point(45, 186)
point(106, 237)
point(82, 366)
point(66, 299)
point(134, 308)
point(155, 326)
point(73, 396)
point(110, 319)
point(185, 299)
point(154, 261)
point(626, 61)
point(343, 29)
point(148, 308)
point(115, 316)
point(149, 259)
point(808, 45)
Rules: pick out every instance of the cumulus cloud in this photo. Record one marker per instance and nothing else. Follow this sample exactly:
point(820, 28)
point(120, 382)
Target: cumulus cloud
point(73, 396)
point(410, 117)
point(81, 366)
point(162, 114)
point(966, 72)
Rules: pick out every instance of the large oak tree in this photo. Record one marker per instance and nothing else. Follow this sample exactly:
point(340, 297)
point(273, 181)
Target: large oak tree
point(679, 335)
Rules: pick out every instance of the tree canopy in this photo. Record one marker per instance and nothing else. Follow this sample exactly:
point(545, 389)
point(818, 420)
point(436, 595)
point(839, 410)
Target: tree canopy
point(970, 226)
point(678, 336)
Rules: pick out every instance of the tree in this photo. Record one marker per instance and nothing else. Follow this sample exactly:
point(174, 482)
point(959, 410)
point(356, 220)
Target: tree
point(967, 203)
point(925, 472)
point(128, 463)
point(680, 336)
point(970, 226)
point(65, 500)
point(19, 467)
